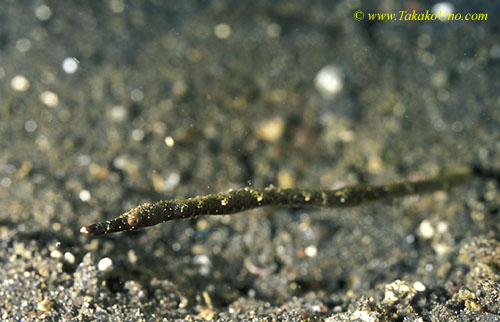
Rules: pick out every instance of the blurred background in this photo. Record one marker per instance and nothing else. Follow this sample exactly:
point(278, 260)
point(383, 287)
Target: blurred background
point(104, 105)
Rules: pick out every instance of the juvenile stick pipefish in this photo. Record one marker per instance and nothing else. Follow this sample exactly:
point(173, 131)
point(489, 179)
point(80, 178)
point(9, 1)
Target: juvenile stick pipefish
point(234, 201)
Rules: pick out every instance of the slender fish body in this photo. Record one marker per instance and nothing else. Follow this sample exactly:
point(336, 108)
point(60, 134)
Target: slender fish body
point(234, 201)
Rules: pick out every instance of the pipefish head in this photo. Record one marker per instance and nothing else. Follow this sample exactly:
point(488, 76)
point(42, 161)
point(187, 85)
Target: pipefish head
point(126, 222)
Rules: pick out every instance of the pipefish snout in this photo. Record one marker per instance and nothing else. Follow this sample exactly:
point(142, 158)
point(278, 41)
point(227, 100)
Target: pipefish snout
point(235, 201)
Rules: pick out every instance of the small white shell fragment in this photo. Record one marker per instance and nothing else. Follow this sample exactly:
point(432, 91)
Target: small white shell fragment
point(329, 81)
point(105, 264)
point(19, 83)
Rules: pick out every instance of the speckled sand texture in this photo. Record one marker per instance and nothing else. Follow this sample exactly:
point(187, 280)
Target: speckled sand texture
point(108, 104)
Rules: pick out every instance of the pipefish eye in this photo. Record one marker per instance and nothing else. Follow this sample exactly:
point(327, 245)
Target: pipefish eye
point(133, 219)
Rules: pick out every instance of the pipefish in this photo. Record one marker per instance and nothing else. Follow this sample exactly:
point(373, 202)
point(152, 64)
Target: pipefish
point(234, 201)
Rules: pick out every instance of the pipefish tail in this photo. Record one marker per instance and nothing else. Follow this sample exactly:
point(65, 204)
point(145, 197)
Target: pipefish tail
point(234, 201)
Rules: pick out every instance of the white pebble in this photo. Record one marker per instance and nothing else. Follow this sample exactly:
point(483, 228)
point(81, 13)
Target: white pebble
point(20, 83)
point(311, 251)
point(105, 264)
point(5, 182)
point(56, 254)
point(49, 98)
point(390, 297)
point(329, 81)
point(443, 10)
point(43, 12)
point(69, 257)
point(419, 286)
point(70, 65)
point(132, 257)
point(222, 31)
point(23, 44)
point(169, 141)
point(201, 260)
point(120, 162)
point(137, 95)
point(84, 195)
point(118, 113)
point(84, 160)
point(273, 30)
point(426, 230)
point(30, 126)
point(117, 6)
point(442, 227)
point(137, 135)
point(365, 316)
point(172, 181)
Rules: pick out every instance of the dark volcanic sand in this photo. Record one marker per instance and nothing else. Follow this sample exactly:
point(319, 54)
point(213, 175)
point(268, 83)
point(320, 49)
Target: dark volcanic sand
point(168, 103)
